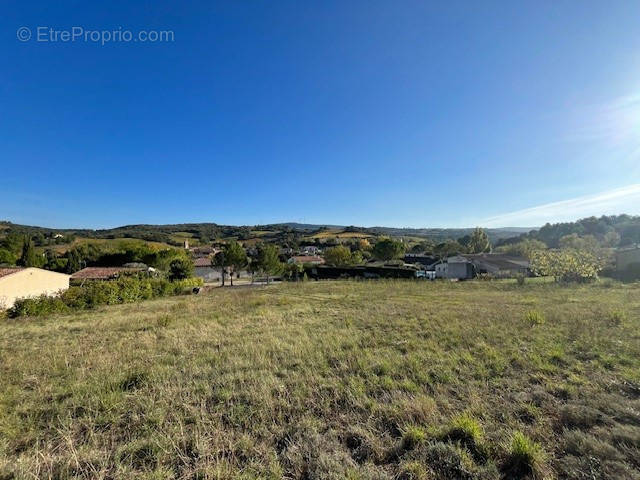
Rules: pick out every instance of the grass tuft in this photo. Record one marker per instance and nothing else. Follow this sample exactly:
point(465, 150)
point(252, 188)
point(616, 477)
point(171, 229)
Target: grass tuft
point(525, 458)
point(412, 437)
point(534, 318)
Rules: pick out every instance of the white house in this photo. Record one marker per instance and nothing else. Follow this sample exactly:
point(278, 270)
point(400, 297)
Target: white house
point(456, 267)
point(29, 282)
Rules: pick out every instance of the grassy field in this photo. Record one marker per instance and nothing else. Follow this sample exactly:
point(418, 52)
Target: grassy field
point(103, 242)
point(324, 380)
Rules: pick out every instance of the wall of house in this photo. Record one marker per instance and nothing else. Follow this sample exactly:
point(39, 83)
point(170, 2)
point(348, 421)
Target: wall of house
point(459, 270)
point(208, 274)
point(30, 282)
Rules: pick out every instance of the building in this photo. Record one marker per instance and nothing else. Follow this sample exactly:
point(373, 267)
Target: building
point(306, 259)
point(422, 260)
point(105, 273)
point(310, 250)
point(465, 266)
point(29, 282)
point(456, 267)
point(498, 264)
point(627, 257)
point(204, 270)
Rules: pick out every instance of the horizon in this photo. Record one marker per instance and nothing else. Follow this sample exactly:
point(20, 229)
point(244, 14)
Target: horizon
point(365, 113)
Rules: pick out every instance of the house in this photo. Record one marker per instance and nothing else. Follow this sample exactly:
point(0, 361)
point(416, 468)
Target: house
point(498, 265)
point(104, 273)
point(309, 250)
point(306, 259)
point(29, 282)
point(421, 259)
point(204, 251)
point(204, 270)
point(455, 267)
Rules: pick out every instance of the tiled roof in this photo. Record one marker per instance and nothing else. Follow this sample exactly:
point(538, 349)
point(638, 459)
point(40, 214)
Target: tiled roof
point(8, 271)
point(102, 273)
point(307, 259)
point(202, 262)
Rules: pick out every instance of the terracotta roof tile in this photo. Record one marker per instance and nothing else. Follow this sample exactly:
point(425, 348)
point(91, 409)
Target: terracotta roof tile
point(8, 271)
point(102, 273)
point(202, 262)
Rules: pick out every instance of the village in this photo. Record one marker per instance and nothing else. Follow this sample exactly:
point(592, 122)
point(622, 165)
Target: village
point(213, 265)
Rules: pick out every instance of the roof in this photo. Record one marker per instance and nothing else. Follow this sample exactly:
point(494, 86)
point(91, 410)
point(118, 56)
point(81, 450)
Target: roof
point(8, 271)
point(103, 273)
point(202, 262)
point(205, 249)
point(499, 261)
point(307, 259)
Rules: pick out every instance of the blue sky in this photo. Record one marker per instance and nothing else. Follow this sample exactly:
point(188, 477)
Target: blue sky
point(406, 113)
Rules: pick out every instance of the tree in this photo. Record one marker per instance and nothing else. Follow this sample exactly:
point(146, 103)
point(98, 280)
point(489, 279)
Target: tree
point(339, 256)
point(363, 245)
point(235, 257)
point(6, 257)
point(180, 268)
point(74, 260)
point(292, 271)
point(448, 248)
point(28, 257)
point(577, 242)
point(13, 243)
point(388, 249)
point(268, 260)
point(479, 241)
point(424, 246)
point(567, 265)
point(523, 248)
point(220, 261)
point(611, 239)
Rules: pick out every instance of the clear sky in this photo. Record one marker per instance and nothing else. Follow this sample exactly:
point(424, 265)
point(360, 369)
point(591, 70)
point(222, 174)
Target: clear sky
point(407, 113)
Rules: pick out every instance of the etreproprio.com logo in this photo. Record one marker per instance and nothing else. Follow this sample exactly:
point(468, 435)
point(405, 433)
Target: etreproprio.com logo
point(44, 34)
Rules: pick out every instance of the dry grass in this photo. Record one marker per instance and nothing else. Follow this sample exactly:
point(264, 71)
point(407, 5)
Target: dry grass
point(336, 380)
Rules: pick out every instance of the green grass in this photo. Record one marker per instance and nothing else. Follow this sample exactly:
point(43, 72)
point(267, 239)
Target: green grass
point(330, 380)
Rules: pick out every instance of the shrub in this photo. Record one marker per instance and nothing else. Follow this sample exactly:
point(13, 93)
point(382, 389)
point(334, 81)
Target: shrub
point(94, 294)
point(75, 298)
point(180, 268)
point(37, 306)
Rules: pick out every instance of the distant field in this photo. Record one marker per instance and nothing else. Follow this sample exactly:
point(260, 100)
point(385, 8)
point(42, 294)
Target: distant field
point(330, 380)
point(103, 242)
point(339, 234)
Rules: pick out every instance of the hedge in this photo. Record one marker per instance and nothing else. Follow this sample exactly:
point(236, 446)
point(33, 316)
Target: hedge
point(93, 294)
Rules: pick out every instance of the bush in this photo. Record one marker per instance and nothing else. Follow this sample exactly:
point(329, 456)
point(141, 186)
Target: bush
point(38, 306)
point(181, 268)
point(94, 294)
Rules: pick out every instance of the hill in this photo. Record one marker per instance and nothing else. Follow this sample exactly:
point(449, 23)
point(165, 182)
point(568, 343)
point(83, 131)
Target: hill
point(385, 380)
point(174, 234)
